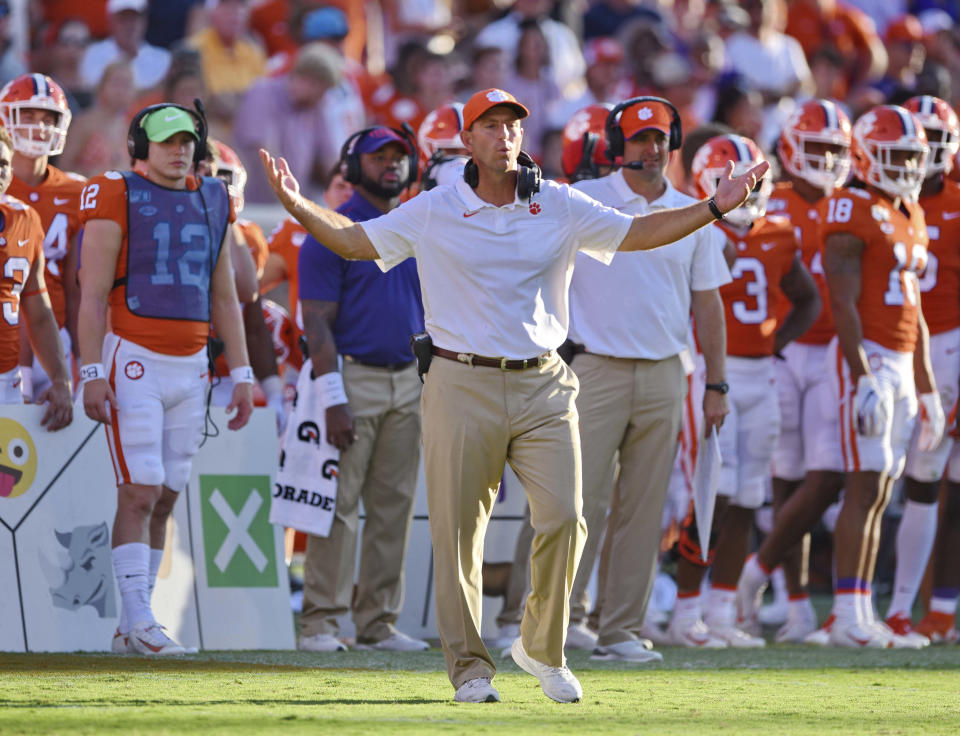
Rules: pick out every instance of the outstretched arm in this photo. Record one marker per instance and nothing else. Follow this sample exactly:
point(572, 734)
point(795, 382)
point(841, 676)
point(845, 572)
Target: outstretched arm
point(668, 226)
point(338, 233)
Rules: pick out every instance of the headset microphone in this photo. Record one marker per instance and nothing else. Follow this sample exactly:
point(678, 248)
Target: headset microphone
point(635, 165)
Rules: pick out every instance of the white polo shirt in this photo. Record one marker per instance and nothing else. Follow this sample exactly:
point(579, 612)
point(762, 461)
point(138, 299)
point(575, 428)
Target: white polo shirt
point(495, 280)
point(639, 306)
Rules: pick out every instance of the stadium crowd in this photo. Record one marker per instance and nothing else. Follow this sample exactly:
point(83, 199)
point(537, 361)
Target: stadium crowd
point(809, 359)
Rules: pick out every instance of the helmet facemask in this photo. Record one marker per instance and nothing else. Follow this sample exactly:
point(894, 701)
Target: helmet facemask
point(35, 139)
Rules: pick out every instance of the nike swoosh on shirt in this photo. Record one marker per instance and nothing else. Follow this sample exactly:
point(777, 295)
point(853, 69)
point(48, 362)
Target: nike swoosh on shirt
point(22, 243)
point(951, 215)
point(59, 200)
point(767, 246)
point(470, 214)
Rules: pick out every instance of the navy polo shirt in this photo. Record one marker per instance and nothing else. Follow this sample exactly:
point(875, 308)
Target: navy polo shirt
point(378, 311)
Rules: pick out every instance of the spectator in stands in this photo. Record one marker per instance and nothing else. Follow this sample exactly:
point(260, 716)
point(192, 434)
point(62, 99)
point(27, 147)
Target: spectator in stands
point(606, 81)
point(767, 59)
point(607, 17)
point(170, 21)
point(421, 82)
point(61, 60)
point(532, 82)
point(905, 55)
point(566, 61)
point(489, 70)
point(98, 136)
point(231, 60)
point(412, 20)
point(740, 108)
point(643, 40)
point(11, 61)
point(285, 114)
point(128, 25)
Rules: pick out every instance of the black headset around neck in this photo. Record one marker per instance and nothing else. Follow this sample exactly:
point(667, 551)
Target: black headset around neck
point(350, 159)
point(528, 175)
point(615, 140)
point(138, 145)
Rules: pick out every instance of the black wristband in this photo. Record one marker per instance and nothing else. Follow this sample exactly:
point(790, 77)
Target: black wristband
point(721, 388)
point(714, 210)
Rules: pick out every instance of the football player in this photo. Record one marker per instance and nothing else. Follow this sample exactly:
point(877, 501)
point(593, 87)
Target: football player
point(940, 287)
point(442, 154)
point(585, 144)
point(767, 269)
point(34, 109)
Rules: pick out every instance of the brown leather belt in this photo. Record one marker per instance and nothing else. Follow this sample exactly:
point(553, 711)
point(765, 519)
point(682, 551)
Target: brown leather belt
point(504, 364)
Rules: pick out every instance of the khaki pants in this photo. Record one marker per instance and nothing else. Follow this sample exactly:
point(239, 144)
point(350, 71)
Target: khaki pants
point(381, 468)
point(630, 408)
point(475, 419)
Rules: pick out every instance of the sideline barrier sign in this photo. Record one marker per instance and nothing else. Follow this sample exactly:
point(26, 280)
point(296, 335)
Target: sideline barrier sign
point(222, 583)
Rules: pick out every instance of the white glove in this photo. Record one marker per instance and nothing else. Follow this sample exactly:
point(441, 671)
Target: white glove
point(932, 421)
point(870, 407)
point(273, 392)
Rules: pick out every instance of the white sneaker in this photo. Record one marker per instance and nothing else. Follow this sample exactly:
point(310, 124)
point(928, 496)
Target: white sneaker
point(856, 636)
point(321, 643)
point(630, 650)
point(477, 690)
point(798, 626)
point(149, 638)
point(505, 636)
point(773, 614)
point(898, 641)
point(557, 683)
point(653, 633)
point(695, 636)
point(580, 637)
point(396, 642)
point(748, 600)
point(120, 643)
point(821, 637)
point(734, 637)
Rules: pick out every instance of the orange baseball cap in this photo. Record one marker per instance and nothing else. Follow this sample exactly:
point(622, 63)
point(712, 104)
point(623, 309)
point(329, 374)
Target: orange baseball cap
point(906, 29)
point(482, 101)
point(644, 115)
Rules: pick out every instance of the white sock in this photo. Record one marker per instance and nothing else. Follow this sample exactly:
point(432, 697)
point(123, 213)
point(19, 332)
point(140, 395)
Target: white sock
point(943, 605)
point(799, 607)
point(131, 564)
point(721, 607)
point(686, 611)
point(845, 607)
point(778, 582)
point(918, 527)
point(156, 557)
point(865, 608)
point(754, 574)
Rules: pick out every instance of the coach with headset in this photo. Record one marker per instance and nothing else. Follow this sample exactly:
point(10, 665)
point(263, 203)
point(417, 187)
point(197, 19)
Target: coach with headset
point(632, 379)
point(156, 258)
point(353, 310)
point(494, 253)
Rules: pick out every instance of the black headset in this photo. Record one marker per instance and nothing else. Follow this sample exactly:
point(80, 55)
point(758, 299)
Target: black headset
point(350, 159)
point(587, 168)
point(138, 145)
point(528, 175)
point(615, 132)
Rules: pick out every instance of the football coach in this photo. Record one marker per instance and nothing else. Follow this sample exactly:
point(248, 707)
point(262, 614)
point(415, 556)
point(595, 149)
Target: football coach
point(495, 252)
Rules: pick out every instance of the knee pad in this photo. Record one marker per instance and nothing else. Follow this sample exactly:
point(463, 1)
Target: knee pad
point(145, 469)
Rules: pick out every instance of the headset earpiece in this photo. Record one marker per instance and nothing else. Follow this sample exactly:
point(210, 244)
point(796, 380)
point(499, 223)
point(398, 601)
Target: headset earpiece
point(614, 133)
point(528, 175)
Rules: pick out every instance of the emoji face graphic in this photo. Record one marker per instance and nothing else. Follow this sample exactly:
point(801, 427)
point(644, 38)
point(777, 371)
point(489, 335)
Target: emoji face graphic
point(18, 459)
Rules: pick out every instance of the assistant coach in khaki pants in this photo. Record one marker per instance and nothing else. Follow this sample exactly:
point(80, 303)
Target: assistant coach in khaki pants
point(495, 259)
point(632, 383)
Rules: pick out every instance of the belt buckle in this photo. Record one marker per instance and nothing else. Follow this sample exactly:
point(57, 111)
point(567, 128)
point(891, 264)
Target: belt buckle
point(466, 358)
point(542, 360)
point(503, 364)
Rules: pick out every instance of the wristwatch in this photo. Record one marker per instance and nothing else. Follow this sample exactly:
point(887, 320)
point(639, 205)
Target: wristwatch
point(722, 387)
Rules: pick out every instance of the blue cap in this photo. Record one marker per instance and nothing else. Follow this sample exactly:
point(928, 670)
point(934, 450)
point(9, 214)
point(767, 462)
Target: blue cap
point(378, 138)
point(324, 23)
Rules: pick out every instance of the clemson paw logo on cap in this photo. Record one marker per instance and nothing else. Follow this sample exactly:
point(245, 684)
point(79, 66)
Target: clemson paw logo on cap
point(644, 113)
point(496, 95)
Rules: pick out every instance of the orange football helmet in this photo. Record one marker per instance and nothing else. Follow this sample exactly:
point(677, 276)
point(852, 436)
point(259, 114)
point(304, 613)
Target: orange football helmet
point(890, 151)
point(585, 143)
point(942, 127)
point(440, 131)
point(709, 163)
point(35, 91)
point(817, 122)
point(231, 170)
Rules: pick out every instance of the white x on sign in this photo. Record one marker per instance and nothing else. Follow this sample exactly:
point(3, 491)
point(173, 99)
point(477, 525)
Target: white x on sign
point(237, 530)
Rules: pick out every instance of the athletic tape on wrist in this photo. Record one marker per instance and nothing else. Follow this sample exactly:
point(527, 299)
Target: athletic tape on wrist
point(92, 372)
point(243, 374)
point(332, 392)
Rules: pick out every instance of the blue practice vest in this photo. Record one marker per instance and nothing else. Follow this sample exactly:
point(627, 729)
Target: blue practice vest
point(174, 239)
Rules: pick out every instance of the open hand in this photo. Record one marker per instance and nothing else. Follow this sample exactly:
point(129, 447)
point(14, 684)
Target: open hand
point(283, 182)
point(59, 400)
point(732, 191)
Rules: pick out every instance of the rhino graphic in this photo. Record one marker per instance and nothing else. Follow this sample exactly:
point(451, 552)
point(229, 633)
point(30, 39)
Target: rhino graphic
point(84, 575)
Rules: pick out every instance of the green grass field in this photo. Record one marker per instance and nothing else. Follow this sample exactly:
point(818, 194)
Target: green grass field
point(781, 690)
